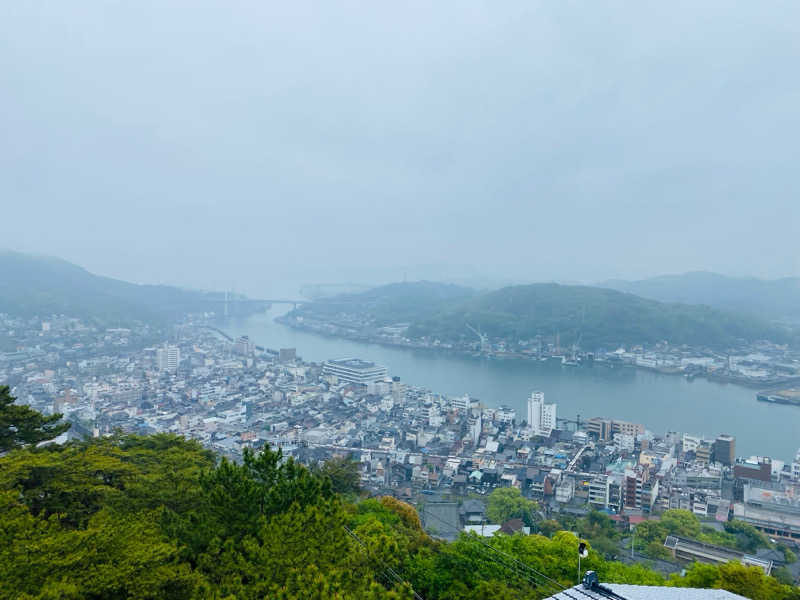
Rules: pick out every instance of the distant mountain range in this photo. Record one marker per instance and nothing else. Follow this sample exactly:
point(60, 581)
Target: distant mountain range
point(772, 299)
point(39, 285)
point(592, 317)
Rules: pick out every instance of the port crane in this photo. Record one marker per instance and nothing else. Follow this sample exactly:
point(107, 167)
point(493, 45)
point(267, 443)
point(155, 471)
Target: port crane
point(483, 337)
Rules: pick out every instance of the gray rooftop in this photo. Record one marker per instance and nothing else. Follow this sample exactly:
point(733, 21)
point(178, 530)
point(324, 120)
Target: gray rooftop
point(646, 592)
point(352, 363)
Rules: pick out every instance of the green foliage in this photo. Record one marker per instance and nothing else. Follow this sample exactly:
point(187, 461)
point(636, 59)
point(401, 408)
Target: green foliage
point(650, 535)
point(158, 517)
point(595, 317)
point(747, 537)
point(344, 474)
point(508, 503)
point(749, 582)
point(788, 555)
point(549, 526)
point(389, 304)
point(21, 425)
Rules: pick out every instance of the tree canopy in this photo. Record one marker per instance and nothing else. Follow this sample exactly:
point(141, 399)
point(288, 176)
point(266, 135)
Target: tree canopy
point(20, 425)
point(508, 503)
point(161, 517)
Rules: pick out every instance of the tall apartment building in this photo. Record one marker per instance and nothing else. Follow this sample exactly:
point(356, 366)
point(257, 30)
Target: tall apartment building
point(168, 358)
point(244, 346)
point(599, 492)
point(796, 467)
point(703, 453)
point(725, 449)
point(541, 415)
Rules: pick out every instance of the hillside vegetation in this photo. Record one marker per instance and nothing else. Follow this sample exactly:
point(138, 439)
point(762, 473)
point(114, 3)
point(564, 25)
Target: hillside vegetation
point(592, 317)
point(390, 304)
point(41, 286)
point(774, 299)
point(159, 517)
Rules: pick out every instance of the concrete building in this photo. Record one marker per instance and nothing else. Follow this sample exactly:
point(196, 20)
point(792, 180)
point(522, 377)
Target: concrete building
point(287, 355)
point(354, 370)
point(796, 467)
point(599, 427)
point(168, 358)
point(541, 415)
point(599, 491)
point(604, 429)
point(244, 346)
point(505, 414)
point(758, 468)
point(725, 449)
point(772, 511)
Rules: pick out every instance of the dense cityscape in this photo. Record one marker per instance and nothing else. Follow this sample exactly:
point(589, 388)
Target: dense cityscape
point(443, 454)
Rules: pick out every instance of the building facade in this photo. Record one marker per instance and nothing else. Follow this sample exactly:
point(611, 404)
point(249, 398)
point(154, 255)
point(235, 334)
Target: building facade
point(541, 415)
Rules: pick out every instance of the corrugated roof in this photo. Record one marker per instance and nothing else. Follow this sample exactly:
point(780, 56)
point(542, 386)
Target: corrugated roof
point(646, 592)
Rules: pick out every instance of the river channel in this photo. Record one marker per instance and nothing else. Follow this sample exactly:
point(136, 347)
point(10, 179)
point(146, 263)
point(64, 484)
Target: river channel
point(661, 402)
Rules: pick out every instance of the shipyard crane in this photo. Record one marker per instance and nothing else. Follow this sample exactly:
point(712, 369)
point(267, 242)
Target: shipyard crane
point(483, 337)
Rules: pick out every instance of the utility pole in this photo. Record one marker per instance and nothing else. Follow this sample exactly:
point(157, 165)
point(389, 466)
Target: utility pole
point(583, 552)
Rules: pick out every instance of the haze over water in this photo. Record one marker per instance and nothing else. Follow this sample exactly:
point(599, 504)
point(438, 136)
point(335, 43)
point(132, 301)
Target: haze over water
point(661, 402)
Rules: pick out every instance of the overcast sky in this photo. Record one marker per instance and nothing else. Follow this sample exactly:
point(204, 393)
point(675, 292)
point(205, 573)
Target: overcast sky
point(265, 144)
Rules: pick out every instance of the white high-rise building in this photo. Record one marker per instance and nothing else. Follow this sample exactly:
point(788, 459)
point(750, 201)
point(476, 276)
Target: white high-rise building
point(796, 467)
point(475, 429)
point(541, 416)
point(168, 358)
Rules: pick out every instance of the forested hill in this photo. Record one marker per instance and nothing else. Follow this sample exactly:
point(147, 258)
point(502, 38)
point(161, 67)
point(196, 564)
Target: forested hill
point(773, 299)
point(40, 286)
point(594, 318)
point(390, 304)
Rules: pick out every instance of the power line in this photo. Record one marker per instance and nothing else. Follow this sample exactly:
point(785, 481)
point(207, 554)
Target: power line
point(387, 569)
point(560, 589)
point(547, 581)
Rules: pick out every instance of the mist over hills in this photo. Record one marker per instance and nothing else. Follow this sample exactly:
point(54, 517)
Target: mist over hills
point(592, 317)
point(40, 285)
point(392, 303)
point(699, 309)
point(773, 299)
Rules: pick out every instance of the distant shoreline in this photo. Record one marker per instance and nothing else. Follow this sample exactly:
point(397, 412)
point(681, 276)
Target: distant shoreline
point(715, 378)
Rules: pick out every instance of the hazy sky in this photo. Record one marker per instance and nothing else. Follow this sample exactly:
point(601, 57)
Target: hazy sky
point(263, 144)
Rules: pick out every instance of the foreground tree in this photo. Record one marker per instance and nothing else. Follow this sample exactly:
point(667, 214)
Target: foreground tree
point(22, 426)
point(343, 473)
point(508, 503)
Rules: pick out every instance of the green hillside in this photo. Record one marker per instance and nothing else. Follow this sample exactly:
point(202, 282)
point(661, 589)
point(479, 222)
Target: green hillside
point(38, 286)
point(589, 316)
point(774, 299)
point(389, 304)
point(593, 318)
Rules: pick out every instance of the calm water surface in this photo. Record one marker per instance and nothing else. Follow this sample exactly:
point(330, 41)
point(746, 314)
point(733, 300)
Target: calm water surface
point(661, 402)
